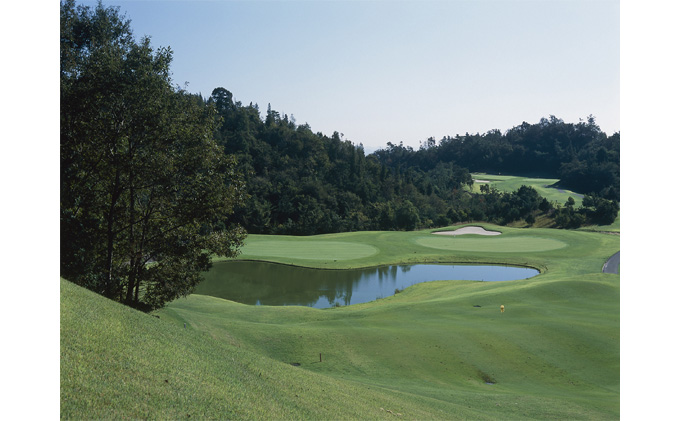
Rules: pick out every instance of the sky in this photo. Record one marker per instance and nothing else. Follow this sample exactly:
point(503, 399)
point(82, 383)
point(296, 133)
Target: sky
point(396, 71)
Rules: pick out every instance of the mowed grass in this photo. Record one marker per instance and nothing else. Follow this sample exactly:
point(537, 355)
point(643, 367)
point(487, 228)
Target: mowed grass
point(517, 244)
point(306, 248)
point(552, 354)
point(425, 353)
point(577, 252)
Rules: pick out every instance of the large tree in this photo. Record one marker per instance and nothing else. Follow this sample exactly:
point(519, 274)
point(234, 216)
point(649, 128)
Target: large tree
point(143, 182)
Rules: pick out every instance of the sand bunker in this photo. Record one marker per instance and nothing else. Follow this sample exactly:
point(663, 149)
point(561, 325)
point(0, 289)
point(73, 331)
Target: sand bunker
point(468, 230)
point(480, 181)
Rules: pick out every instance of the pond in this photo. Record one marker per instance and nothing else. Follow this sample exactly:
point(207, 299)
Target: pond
point(262, 283)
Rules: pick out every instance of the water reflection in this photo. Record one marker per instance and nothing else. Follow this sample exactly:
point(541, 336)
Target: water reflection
point(260, 283)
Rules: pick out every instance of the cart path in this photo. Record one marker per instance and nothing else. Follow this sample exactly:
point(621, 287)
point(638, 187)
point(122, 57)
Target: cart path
point(612, 265)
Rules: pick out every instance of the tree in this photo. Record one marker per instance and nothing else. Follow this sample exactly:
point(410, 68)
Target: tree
point(599, 210)
point(530, 219)
point(407, 216)
point(143, 183)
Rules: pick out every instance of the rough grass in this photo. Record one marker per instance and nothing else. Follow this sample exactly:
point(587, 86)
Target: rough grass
point(425, 353)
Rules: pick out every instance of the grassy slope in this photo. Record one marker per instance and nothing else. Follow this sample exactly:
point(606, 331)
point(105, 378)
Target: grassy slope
point(120, 363)
point(424, 353)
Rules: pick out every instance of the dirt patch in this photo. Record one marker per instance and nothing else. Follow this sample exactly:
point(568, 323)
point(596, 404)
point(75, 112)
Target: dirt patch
point(468, 230)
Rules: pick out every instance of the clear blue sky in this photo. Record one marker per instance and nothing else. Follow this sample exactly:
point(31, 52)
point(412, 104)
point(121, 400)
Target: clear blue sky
point(393, 71)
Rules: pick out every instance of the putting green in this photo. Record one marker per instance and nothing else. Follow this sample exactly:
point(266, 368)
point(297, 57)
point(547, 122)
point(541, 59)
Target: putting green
point(308, 250)
point(519, 244)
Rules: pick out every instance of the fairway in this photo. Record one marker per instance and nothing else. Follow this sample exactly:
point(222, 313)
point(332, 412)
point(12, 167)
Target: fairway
point(519, 244)
point(306, 249)
point(553, 353)
point(544, 186)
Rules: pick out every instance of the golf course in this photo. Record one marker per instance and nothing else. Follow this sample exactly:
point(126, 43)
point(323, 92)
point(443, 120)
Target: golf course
point(338, 210)
point(436, 350)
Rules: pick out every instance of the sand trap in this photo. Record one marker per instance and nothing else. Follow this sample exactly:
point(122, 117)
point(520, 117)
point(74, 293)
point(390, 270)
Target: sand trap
point(480, 181)
point(468, 230)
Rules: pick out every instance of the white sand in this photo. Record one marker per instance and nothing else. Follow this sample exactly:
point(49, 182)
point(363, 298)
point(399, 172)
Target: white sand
point(468, 230)
point(480, 181)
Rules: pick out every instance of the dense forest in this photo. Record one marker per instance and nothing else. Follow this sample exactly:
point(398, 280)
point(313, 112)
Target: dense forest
point(301, 182)
point(583, 157)
point(156, 180)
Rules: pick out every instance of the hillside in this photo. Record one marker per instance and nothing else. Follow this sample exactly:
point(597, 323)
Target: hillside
point(120, 363)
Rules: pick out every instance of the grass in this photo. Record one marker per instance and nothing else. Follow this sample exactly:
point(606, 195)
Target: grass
point(119, 363)
point(516, 244)
point(572, 251)
point(427, 352)
point(307, 249)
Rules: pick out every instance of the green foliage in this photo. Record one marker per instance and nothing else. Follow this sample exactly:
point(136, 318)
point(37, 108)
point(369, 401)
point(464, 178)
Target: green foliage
point(407, 216)
point(300, 182)
point(594, 210)
point(599, 210)
point(142, 180)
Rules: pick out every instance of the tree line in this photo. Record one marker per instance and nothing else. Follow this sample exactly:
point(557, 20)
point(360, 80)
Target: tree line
point(301, 182)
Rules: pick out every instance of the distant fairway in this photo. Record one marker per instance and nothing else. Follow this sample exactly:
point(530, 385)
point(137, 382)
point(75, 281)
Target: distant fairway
point(519, 244)
point(509, 183)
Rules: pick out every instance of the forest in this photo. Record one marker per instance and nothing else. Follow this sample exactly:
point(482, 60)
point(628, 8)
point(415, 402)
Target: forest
point(300, 182)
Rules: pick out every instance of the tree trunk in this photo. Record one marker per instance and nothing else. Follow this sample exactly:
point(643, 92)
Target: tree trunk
point(132, 274)
point(109, 290)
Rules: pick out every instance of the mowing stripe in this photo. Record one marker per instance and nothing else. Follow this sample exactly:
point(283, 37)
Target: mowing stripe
point(491, 244)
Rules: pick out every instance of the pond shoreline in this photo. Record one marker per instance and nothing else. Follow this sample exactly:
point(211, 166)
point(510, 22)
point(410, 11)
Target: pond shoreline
point(270, 283)
point(438, 262)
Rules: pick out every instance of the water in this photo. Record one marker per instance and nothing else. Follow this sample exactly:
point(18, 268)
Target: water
point(260, 283)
